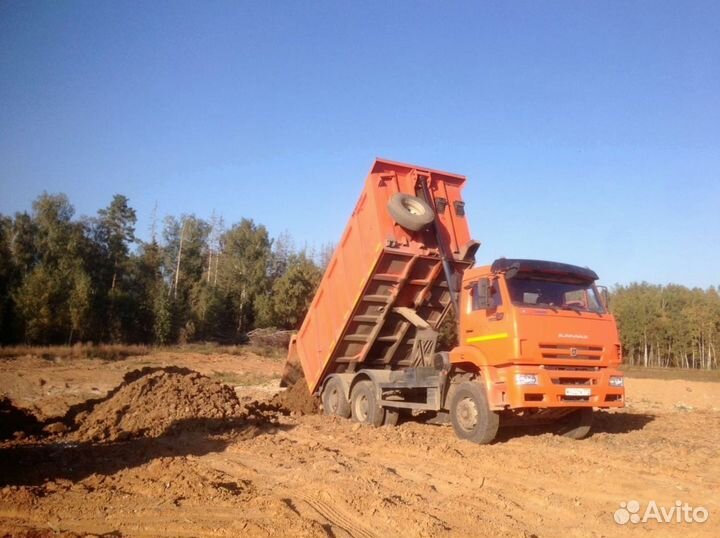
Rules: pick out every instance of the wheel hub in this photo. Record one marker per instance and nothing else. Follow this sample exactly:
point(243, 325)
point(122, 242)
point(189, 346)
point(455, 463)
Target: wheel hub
point(334, 400)
point(467, 414)
point(362, 409)
point(412, 208)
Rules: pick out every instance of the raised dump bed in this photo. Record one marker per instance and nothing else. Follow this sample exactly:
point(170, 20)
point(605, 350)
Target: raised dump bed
point(385, 287)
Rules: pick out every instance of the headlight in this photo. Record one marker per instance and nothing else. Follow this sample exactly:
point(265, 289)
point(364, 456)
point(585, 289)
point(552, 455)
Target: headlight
point(617, 381)
point(526, 379)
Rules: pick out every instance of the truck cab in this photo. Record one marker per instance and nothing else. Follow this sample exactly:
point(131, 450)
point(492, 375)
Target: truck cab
point(541, 334)
point(540, 338)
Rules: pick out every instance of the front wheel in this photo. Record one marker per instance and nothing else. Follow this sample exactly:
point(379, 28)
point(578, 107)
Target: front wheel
point(576, 425)
point(470, 414)
point(363, 404)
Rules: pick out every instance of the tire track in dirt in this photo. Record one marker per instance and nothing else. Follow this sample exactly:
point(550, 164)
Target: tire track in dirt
point(318, 477)
point(551, 480)
point(338, 518)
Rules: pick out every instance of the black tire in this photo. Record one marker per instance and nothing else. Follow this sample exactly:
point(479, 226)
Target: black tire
point(410, 212)
point(333, 399)
point(470, 414)
point(392, 414)
point(576, 425)
point(363, 406)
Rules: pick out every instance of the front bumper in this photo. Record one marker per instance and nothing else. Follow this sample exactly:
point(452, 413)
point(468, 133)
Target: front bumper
point(552, 387)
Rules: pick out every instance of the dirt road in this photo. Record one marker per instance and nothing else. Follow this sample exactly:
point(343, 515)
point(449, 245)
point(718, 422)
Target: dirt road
point(262, 473)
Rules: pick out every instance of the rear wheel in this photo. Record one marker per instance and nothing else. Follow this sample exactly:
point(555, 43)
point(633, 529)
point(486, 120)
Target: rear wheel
point(363, 404)
point(334, 401)
point(392, 416)
point(470, 414)
point(576, 425)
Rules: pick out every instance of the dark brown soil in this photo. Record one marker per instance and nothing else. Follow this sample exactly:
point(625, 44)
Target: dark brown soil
point(297, 399)
point(16, 420)
point(149, 403)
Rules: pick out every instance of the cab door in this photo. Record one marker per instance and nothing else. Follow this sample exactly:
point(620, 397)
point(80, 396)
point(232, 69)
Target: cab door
point(485, 323)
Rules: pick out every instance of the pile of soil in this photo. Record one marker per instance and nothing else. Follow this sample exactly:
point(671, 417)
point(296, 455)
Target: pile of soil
point(150, 403)
point(297, 399)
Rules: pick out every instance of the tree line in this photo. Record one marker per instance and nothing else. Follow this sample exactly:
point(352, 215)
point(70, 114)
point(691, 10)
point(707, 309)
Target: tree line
point(668, 325)
point(67, 280)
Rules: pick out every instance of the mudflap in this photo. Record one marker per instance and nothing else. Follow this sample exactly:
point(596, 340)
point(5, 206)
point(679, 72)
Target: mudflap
point(293, 371)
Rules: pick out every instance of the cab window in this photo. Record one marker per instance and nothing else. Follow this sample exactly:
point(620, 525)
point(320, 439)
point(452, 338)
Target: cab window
point(495, 295)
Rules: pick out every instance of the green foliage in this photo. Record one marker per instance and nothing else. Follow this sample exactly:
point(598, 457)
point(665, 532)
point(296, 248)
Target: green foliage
point(287, 302)
point(162, 317)
point(668, 325)
point(64, 280)
point(41, 302)
point(8, 272)
point(80, 304)
point(115, 231)
point(24, 253)
point(244, 270)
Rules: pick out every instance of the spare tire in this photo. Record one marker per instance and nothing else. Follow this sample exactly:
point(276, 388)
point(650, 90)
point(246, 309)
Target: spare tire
point(410, 212)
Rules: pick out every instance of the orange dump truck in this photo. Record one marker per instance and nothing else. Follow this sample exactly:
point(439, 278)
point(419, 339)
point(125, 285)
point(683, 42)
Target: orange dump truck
point(536, 342)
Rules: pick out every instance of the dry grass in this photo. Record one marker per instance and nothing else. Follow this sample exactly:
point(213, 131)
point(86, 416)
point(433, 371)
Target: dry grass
point(112, 352)
point(671, 373)
point(244, 379)
point(109, 352)
point(208, 348)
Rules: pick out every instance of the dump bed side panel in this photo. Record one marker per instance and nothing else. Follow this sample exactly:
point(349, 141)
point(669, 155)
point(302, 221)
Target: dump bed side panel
point(337, 294)
point(377, 266)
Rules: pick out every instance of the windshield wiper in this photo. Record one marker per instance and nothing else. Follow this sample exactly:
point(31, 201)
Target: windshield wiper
point(574, 308)
point(546, 305)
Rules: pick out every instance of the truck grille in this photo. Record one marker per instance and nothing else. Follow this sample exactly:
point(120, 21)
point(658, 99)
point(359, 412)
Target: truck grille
point(571, 352)
point(571, 368)
point(574, 381)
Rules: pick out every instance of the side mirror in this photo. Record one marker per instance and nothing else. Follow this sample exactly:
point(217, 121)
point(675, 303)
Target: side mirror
point(604, 296)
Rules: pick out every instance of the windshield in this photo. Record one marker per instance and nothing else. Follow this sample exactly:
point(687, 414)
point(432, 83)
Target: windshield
point(536, 291)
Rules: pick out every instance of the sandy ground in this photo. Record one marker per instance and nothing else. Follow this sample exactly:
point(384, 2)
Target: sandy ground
point(309, 475)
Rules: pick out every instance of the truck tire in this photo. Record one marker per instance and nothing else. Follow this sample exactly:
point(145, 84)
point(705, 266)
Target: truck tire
point(363, 406)
point(333, 399)
point(410, 212)
point(470, 414)
point(392, 416)
point(576, 425)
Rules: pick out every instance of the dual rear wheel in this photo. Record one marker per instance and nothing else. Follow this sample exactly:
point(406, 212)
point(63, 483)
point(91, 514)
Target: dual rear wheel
point(470, 414)
point(362, 406)
point(333, 399)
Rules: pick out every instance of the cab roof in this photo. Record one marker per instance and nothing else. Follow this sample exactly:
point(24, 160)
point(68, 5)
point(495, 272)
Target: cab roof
point(543, 267)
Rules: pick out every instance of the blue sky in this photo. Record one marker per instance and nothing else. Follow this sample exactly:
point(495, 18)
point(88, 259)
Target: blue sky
point(589, 131)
